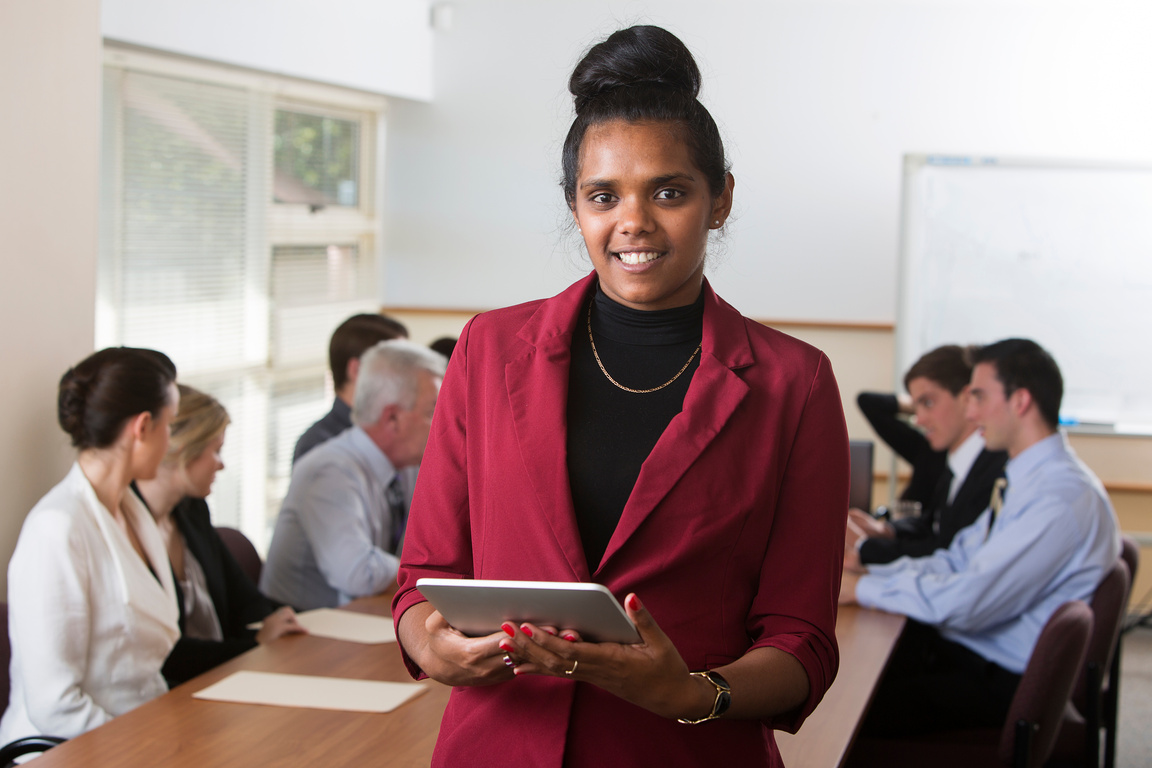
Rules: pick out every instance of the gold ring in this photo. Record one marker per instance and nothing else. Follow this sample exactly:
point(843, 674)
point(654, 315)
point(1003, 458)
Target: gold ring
point(508, 660)
point(572, 671)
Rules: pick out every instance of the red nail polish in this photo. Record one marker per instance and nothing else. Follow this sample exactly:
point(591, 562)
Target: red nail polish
point(526, 629)
point(508, 628)
point(570, 637)
point(634, 603)
point(506, 646)
point(551, 632)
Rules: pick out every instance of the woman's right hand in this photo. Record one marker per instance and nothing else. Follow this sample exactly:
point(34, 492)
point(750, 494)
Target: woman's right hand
point(448, 656)
point(279, 623)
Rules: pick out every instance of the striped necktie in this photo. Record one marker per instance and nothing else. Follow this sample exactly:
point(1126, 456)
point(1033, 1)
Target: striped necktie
point(999, 491)
point(395, 497)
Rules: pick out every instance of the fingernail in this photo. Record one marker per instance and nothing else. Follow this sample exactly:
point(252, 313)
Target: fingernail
point(570, 637)
point(634, 603)
point(551, 632)
point(526, 629)
point(506, 646)
point(508, 628)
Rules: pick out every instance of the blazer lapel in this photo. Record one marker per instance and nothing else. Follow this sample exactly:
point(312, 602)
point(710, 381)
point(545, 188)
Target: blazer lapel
point(714, 395)
point(537, 383)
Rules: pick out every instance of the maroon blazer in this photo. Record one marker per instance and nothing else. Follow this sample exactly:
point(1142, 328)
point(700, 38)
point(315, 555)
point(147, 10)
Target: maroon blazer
point(733, 536)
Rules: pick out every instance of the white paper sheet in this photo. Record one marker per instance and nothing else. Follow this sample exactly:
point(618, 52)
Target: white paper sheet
point(345, 625)
point(310, 691)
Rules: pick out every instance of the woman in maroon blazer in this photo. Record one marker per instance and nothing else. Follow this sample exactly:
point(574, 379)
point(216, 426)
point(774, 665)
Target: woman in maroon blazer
point(634, 431)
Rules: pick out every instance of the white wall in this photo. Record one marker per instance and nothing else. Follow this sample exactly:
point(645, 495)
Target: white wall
point(383, 46)
point(50, 92)
point(818, 101)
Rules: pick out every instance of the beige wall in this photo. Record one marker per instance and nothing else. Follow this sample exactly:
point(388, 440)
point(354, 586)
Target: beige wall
point(50, 91)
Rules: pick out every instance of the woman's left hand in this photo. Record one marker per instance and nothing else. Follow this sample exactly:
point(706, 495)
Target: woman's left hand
point(650, 674)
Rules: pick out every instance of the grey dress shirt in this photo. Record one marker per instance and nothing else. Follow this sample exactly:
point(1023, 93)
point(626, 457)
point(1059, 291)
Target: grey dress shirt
point(333, 537)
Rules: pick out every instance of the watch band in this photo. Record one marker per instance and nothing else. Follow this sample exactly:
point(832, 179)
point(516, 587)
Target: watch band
point(723, 697)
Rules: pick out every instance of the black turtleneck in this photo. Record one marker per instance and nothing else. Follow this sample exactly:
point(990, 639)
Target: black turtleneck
point(611, 431)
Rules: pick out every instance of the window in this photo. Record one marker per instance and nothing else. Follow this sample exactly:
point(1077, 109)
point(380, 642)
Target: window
point(238, 228)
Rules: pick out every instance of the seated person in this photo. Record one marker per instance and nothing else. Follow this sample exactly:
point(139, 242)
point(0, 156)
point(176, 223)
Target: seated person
point(341, 526)
point(350, 340)
point(91, 602)
point(217, 600)
point(977, 607)
point(888, 414)
point(938, 384)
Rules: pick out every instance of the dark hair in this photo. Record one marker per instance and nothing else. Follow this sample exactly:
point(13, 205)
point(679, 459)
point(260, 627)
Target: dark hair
point(101, 392)
point(444, 345)
point(642, 74)
point(355, 336)
point(1024, 364)
point(950, 366)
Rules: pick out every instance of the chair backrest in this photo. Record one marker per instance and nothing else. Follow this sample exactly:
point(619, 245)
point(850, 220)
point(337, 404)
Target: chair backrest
point(242, 549)
point(1046, 685)
point(1109, 603)
point(860, 477)
point(5, 658)
point(1130, 554)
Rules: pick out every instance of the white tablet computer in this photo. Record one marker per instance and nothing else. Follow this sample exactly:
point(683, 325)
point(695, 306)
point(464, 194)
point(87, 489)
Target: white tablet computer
point(478, 607)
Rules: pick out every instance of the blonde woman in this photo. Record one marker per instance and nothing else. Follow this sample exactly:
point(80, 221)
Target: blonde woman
point(217, 600)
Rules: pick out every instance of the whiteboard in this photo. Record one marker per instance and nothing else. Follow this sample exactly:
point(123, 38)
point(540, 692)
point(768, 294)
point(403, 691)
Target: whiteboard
point(1059, 252)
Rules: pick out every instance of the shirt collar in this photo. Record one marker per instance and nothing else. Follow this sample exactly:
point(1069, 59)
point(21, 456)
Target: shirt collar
point(363, 446)
point(960, 461)
point(1033, 456)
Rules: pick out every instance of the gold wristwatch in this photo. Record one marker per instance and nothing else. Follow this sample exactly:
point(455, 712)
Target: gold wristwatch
point(723, 696)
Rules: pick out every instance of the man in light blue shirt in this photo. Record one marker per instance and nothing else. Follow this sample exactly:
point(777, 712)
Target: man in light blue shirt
point(341, 526)
point(978, 606)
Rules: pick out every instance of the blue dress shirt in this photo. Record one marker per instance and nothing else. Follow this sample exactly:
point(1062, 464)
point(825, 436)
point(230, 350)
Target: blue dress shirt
point(334, 532)
point(992, 591)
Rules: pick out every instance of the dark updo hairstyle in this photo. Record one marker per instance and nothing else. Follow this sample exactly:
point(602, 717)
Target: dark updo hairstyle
point(642, 74)
point(104, 390)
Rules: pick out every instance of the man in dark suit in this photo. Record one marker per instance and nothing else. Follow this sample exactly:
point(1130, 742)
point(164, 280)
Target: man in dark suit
point(938, 384)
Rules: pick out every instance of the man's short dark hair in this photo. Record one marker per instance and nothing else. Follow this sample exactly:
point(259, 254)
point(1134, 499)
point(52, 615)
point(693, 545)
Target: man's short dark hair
point(355, 336)
point(1024, 364)
point(950, 366)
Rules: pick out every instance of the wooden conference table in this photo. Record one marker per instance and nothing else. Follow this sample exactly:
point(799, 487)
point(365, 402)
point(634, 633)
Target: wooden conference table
point(177, 731)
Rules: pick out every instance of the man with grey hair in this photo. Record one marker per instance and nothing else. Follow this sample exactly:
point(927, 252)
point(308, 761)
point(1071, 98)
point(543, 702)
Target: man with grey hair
point(341, 526)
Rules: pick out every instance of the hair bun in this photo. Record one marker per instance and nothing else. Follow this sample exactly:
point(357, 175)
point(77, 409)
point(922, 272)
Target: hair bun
point(71, 401)
point(642, 55)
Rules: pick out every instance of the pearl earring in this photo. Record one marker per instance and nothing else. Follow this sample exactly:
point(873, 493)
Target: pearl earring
point(716, 223)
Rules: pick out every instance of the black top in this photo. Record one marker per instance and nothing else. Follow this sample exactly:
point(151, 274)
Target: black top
point(611, 431)
point(236, 599)
point(882, 412)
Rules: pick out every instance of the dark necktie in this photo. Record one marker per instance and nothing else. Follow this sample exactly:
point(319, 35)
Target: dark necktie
point(395, 498)
point(940, 498)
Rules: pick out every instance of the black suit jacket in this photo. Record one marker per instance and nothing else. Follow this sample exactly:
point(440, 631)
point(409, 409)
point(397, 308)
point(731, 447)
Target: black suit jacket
point(940, 521)
point(909, 443)
point(237, 600)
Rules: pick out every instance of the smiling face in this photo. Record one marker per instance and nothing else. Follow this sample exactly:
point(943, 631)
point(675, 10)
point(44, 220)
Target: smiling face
point(644, 210)
point(940, 414)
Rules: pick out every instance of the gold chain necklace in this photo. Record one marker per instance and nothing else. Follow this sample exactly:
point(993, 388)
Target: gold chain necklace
point(603, 370)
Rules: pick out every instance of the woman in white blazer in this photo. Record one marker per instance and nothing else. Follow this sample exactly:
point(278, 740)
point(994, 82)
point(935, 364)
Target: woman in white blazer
point(92, 606)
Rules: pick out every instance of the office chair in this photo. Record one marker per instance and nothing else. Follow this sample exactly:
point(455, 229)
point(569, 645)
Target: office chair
point(1078, 742)
point(1029, 732)
point(243, 551)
